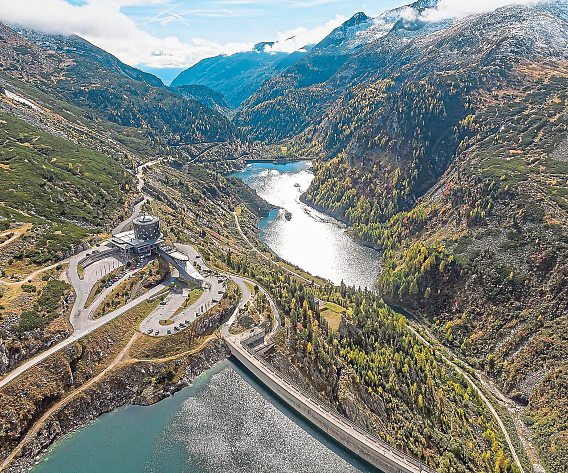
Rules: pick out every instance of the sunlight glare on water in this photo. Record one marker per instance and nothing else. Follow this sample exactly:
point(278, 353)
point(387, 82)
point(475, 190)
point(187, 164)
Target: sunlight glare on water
point(230, 428)
point(226, 422)
point(310, 239)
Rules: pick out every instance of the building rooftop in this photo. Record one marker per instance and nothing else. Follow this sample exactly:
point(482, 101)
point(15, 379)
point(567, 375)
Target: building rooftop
point(128, 240)
point(146, 219)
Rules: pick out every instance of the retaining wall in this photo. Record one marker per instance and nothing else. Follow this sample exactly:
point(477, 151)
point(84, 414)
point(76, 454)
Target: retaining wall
point(93, 258)
point(370, 449)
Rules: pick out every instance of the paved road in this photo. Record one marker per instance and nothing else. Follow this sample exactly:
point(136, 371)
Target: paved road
point(246, 296)
point(81, 333)
point(213, 291)
point(351, 436)
point(214, 286)
point(121, 227)
point(80, 316)
point(83, 325)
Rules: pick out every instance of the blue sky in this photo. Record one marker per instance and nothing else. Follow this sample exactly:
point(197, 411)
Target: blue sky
point(244, 20)
point(163, 36)
point(167, 36)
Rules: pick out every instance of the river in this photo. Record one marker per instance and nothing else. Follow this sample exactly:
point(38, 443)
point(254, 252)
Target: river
point(311, 240)
point(226, 422)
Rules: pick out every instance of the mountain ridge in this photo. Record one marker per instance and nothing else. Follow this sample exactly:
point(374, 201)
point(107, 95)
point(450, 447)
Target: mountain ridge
point(239, 75)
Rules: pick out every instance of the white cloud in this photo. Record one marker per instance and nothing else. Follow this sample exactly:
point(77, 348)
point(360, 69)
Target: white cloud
point(408, 14)
point(459, 9)
point(295, 39)
point(102, 23)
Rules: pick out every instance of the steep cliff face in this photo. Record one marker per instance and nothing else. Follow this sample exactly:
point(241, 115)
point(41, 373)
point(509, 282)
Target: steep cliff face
point(445, 147)
point(142, 383)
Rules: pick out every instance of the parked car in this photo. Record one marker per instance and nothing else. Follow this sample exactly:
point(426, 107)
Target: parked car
point(169, 332)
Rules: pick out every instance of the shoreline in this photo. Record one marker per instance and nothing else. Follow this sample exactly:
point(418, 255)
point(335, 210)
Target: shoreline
point(276, 161)
point(123, 386)
point(342, 220)
point(335, 215)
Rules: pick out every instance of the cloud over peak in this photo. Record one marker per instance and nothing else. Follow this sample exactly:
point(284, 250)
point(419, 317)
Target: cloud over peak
point(105, 24)
point(456, 9)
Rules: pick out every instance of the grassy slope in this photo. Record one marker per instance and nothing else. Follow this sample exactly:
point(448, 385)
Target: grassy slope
point(51, 182)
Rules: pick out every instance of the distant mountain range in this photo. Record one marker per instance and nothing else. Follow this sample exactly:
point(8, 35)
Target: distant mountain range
point(239, 75)
point(441, 143)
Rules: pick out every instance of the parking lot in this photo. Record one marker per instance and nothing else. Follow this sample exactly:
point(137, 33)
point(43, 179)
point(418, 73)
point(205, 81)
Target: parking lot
point(169, 309)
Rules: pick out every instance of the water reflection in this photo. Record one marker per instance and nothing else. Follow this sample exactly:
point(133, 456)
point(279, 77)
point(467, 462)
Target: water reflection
point(226, 422)
point(312, 240)
point(229, 427)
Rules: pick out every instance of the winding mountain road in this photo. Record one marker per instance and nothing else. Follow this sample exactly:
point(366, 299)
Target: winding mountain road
point(79, 334)
point(445, 352)
point(84, 325)
point(121, 227)
point(80, 319)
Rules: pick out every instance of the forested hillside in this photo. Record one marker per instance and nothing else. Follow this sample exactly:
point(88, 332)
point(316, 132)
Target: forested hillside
point(239, 75)
point(205, 95)
point(444, 146)
point(375, 371)
point(73, 70)
point(353, 53)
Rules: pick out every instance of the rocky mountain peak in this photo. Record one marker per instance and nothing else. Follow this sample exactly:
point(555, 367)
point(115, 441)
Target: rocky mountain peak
point(261, 47)
point(356, 19)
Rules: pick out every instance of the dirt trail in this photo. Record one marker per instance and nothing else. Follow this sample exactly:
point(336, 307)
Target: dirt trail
point(17, 233)
point(32, 275)
point(191, 352)
point(121, 358)
point(58, 405)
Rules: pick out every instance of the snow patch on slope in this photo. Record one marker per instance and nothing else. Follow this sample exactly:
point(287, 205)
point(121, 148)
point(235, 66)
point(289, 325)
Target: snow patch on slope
point(19, 99)
point(403, 21)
